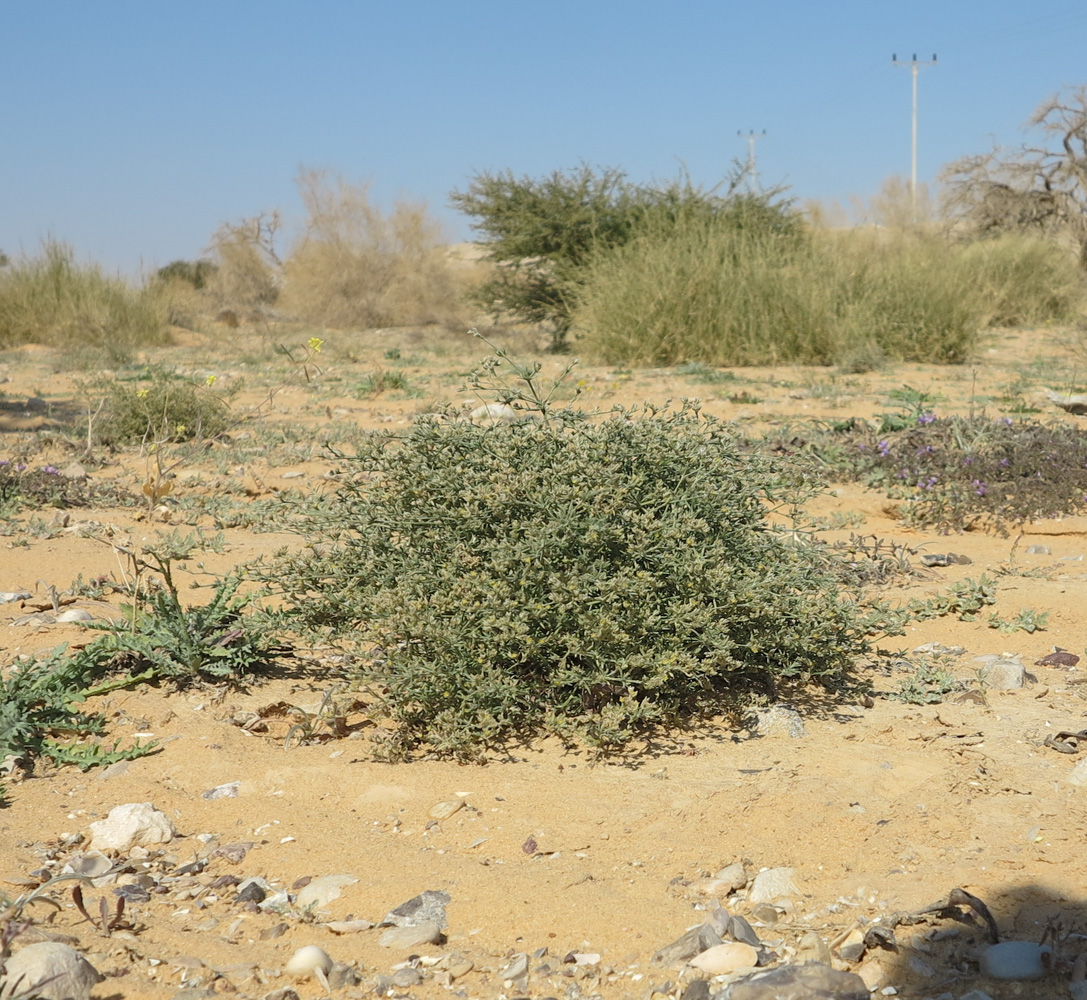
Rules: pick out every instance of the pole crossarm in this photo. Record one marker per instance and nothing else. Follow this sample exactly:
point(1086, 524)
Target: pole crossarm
point(914, 64)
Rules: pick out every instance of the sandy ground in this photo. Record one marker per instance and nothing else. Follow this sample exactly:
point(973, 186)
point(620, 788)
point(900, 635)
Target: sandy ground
point(877, 808)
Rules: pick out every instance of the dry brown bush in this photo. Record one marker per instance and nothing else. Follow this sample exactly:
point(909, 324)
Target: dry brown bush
point(354, 266)
point(248, 276)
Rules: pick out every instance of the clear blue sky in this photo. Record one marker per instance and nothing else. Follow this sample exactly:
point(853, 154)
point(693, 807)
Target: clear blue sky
point(133, 128)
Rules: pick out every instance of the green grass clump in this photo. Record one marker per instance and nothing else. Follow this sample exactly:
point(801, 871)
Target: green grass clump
point(52, 300)
point(585, 578)
point(162, 407)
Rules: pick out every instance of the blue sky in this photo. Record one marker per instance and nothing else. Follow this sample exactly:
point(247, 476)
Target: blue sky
point(133, 129)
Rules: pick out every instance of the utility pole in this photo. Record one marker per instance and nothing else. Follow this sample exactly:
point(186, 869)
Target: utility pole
point(750, 169)
point(914, 65)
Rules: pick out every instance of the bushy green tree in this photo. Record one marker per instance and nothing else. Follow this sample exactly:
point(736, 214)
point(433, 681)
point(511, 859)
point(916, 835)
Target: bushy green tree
point(542, 232)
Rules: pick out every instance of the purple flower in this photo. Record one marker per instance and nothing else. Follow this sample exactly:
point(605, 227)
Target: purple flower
point(926, 418)
point(1007, 421)
point(1004, 463)
point(20, 467)
point(50, 470)
point(4, 463)
point(884, 448)
point(980, 488)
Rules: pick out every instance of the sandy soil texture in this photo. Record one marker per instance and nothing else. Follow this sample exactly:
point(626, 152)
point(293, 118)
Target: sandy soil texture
point(586, 867)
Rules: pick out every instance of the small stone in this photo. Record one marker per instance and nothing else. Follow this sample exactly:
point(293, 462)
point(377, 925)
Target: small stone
point(1019, 960)
point(426, 908)
point(348, 926)
point(772, 884)
point(74, 615)
point(697, 989)
point(725, 959)
point(321, 891)
point(403, 978)
point(496, 413)
point(740, 930)
point(50, 971)
point(305, 962)
point(800, 982)
point(135, 823)
point(1003, 674)
point(1058, 658)
point(1039, 550)
point(341, 975)
point(517, 968)
point(872, 973)
point(939, 649)
point(252, 890)
point(812, 948)
point(459, 969)
point(735, 874)
point(74, 471)
point(408, 937)
point(693, 942)
point(11, 596)
point(273, 932)
point(92, 864)
point(443, 810)
point(293, 474)
point(779, 720)
point(227, 791)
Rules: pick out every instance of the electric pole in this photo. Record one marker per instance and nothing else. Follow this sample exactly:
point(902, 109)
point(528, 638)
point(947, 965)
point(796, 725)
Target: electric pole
point(750, 169)
point(914, 65)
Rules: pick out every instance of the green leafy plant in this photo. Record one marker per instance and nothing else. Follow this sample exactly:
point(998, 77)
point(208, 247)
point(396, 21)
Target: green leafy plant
point(380, 381)
point(590, 578)
point(159, 409)
point(964, 600)
point(928, 681)
point(1028, 620)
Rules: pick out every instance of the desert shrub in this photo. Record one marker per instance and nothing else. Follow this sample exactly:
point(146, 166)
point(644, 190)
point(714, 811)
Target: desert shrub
point(247, 269)
point(159, 408)
point(586, 578)
point(22, 487)
point(50, 299)
point(543, 232)
point(356, 266)
point(1026, 280)
point(193, 272)
point(954, 473)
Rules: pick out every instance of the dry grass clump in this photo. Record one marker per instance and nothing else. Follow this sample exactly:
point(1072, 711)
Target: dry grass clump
point(246, 276)
point(50, 299)
point(356, 267)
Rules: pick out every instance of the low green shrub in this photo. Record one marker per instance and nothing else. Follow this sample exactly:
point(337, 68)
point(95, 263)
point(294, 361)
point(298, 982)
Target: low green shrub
point(159, 408)
point(52, 300)
point(589, 578)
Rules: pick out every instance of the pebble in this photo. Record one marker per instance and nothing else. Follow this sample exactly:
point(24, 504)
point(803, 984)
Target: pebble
point(517, 968)
point(1015, 960)
point(92, 864)
point(725, 959)
point(406, 977)
point(305, 962)
point(426, 908)
point(11, 596)
point(1039, 550)
point(348, 926)
point(443, 810)
point(772, 884)
point(228, 791)
point(74, 615)
point(410, 936)
point(812, 948)
point(293, 474)
point(693, 942)
point(50, 971)
point(321, 891)
point(129, 825)
point(779, 720)
point(697, 989)
point(800, 982)
point(1002, 673)
point(459, 969)
point(735, 874)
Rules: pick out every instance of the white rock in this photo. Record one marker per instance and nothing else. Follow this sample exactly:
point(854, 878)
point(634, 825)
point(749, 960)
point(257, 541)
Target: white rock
point(1003, 674)
point(321, 891)
point(724, 959)
point(11, 596)
point(305, 962)
point(1078, 774)
point(734, 874)
point(63, 972)
point(496, 413)
point(75, 615)
point(135, 823)
point(774, 883)
point(410, 937)
point(1015, 960)
point(443, 810)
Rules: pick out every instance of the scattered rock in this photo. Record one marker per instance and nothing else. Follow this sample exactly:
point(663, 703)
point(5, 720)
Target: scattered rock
point(130, 825)
point(945, 559)
point(812, 948)
point(348, 926)
point(798, 982)
point(252, 890)
point(1002, 673)
point(696, 989)
point(735, 874)
point(410, 936)
point(1058, 658)
point(939, 649)
point(74, 615)
point(1069, 402)
point(49, 971)
point(727, 958)
point(496, 413)
point(1015, 960)
point(443, 810)
point(1039, 550)
point(740, 930)
point(305, 962)
point(779, 720)
point(407, 977)
point(321, 891)
point(872, 973)
point(517, 968)
point(93, 864)
point(694, 942)
point(11, 596)
point(228, 791)
point(772, 884)
point(426, 908)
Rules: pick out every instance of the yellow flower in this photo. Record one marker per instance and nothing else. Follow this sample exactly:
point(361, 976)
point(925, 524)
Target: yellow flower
point(142, 393)
point(181, 428)
point(211, 380)
point(315, 344)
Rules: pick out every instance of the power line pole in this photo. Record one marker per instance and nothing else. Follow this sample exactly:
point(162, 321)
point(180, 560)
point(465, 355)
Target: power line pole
point(750, 169)
point(914, 65)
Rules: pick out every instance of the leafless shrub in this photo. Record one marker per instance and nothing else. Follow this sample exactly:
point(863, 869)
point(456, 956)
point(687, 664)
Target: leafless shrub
point(249, 270)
